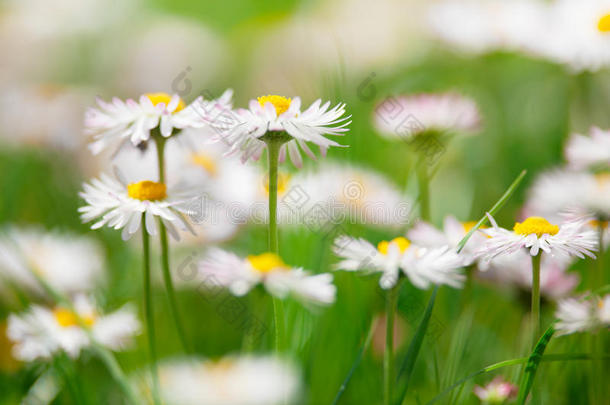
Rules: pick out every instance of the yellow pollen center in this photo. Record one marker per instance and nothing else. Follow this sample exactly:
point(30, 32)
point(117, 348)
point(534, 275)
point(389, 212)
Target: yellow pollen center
point(403, 244)
point(602, 179)
point(158, 98)
point(204, 161)
point(468, 225)
point(280, 103)
point(66, 318)
point(266, 262)
point(147, 190)
point(603, 25)
point(535, 225)
point(283, 180)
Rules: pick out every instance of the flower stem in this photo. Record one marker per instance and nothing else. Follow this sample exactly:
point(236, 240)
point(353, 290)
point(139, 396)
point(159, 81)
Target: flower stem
point(148, 309)
point(273, 151)
point(169, 285)
point(424, 189)
point(536, 298)
point(388, 357)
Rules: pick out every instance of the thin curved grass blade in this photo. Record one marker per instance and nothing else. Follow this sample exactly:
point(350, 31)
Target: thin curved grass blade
point(533, 362)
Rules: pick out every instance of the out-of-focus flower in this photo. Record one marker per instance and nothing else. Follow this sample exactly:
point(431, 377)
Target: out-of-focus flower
point(41, 332)
point(572, 238)
point(246, 380)
point(575, 33)
point(497, 392)
point(425, 234)
point(421, 265)
point(403, 117)
point(121, 206)
point(277, 116)
point(516, 269)
point(114, 123)
point(486, 25)
point(241, 275)
point(583, 152)
point(560, 192)
point(69, 263)
point(582, 315)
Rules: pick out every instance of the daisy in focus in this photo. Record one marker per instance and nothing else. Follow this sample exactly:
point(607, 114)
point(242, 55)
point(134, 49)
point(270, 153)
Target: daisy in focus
point(69, 263)
point(41, 332)
point(582, 315)
point(583, 152)
point(536, 234)
point(426, 235)
point(275, 118)
point(125, 206)
point(497, 391)
point(423, 266)
point(404, 117)
point(245, 380)
point(114, 123)
point(268, 269)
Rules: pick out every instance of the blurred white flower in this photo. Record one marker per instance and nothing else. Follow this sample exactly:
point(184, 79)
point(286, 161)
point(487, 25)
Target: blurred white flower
point(68, 262)
point(498, 391)
point(279, 116)
point(583, 151)
point(426, 235)
point(245, 380)
point(582, 315)
point(572, 238)
point(241, 275)
point(41, 332)
point(516, 269)
point(114, 123)
point(121, 206)
point(421, 265)
point(486, 25)
point(402, 117)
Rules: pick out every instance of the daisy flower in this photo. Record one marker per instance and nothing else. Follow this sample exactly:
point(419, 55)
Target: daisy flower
point(536, 234)
point(241, 275)
point(403, 117)
point(581, 315)
point(498, 391)
point(41, 332)
point(583, 151)
point(426, 235)
point(244, 380)
point(113, 123)
point(123, 206)
point(279, 118)
point(421, 265)
point(69, 263)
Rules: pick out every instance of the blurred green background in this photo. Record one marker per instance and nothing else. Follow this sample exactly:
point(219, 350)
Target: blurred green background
point(346, 51)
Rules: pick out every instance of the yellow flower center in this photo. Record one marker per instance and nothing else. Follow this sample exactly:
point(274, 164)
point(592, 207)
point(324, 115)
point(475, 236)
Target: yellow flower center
point(66, 318)
point(283, 180)
point(147, 190)
point(205, 161)
point(536, 225)
point(602, 179)
point(158, 98)
point(603, 25)
point(468, 225)
point(280, 103)
point(266, 262)
point(403, 244)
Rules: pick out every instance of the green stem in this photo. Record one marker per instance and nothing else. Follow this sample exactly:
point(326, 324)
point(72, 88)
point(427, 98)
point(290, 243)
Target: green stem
point(149, 312)
point(160, 141)
point(424, 189)
point(536, 298)
point(597, 340)
point(169, 285)
point(388, 357)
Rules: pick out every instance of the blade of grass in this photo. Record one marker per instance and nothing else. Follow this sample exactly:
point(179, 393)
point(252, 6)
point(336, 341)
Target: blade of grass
point(408, 363)
point(496, 207)
point(533, 361)
point(363, 348)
